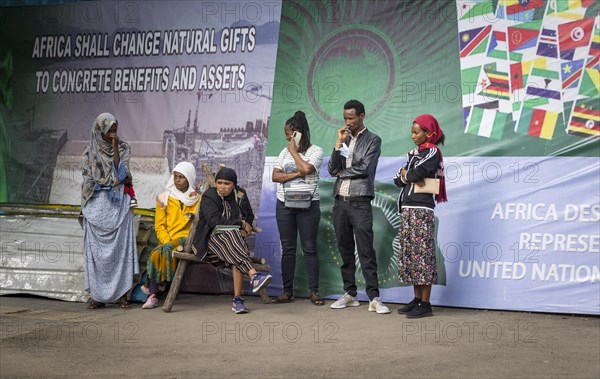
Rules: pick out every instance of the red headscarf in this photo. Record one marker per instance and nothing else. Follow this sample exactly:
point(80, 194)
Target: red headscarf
point(428, 123)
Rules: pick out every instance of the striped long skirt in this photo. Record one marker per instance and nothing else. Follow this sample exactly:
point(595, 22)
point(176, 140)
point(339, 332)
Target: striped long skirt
point(229, 249)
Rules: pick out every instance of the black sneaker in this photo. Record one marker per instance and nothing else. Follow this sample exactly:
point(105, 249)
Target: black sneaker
point(410, 306)
point(422, 310)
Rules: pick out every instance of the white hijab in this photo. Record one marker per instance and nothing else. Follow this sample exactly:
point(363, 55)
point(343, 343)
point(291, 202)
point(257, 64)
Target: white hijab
point(189, 197)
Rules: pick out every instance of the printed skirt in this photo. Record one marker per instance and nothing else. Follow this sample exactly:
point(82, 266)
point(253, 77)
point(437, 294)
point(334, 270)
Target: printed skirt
point(416, 257)
point(161, 264)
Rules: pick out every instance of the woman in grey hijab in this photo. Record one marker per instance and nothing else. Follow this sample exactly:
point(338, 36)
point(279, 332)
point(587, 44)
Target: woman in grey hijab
point(110, 255)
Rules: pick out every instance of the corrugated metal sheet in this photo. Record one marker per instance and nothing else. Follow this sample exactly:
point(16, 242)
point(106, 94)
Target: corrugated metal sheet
point(42, 250)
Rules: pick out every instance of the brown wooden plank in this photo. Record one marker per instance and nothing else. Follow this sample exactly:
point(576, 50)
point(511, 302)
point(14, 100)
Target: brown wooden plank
point(174, 290)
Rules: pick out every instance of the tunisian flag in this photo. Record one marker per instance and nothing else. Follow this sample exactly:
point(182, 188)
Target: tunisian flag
point(575, 34)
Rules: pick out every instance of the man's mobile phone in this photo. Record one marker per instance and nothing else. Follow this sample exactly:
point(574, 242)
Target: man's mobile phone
point(297, 136)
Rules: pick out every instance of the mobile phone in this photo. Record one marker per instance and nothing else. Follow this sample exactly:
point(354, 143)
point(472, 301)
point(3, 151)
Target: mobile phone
point(297, 136)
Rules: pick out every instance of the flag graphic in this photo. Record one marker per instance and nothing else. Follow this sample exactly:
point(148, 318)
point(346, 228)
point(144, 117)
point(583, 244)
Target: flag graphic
point(585, 118)
point(497, 47)
point(498, 88)
point(573, 35)
point(570, 73)
point(548, 44)
point(595, 45)
point(521, 38)
point(471, 9)
point(540, 123)
point(524, 10)
point(568, 9)
point(486, 121)
point(590, 81)
point(543, 82)
point(565, 5)
point(516, 76)
point(473, 41)
point(470, 79)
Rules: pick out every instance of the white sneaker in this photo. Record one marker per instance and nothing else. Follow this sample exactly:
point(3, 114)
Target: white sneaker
point(376, 305)
point(345, 301)
point(152, 302)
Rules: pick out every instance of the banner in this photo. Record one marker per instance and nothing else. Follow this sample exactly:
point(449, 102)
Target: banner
point(186, 81)
point(513, 84)
point(520, 229)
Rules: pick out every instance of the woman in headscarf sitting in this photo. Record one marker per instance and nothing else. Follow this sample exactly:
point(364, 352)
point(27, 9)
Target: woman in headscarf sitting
point(226, 218)
point(172, 221)
point(110, 254)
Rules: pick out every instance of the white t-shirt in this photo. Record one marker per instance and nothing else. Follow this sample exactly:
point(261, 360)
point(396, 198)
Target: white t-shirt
point(286, 163)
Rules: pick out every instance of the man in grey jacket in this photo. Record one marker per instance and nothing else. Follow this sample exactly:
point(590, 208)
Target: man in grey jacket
point(354, 162)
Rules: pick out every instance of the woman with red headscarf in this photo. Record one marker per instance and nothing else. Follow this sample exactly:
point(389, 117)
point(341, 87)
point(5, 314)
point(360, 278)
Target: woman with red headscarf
point(416, 258)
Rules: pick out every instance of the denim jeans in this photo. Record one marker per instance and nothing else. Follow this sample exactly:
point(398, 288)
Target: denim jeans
point(291, 223)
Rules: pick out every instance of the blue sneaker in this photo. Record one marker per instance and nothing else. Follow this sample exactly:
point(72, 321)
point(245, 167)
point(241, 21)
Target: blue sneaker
point(238, 305)
point(260, 281)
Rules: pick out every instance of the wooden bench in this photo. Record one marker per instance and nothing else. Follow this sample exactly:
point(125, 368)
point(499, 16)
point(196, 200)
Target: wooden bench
point(185, 255)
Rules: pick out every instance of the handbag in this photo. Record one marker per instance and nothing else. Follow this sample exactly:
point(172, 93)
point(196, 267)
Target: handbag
point(432, 185)
point(297, 199)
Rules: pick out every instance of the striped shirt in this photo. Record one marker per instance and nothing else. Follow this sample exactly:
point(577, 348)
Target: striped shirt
point(286, 163)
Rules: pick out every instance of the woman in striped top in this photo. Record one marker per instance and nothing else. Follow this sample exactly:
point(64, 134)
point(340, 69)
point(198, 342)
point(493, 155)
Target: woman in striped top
point(297, 169)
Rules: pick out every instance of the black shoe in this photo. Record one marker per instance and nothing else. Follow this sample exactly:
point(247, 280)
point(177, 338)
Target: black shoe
point(410, 306)
point(422, 310)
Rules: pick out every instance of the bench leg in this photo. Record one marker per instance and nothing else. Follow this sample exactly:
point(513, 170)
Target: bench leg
point(174, 290)
point(264, 296)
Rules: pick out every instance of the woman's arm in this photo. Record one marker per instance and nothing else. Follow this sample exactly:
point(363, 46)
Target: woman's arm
point(160, 223)
point(304, 168)
point(278, 176)
point(426, 167)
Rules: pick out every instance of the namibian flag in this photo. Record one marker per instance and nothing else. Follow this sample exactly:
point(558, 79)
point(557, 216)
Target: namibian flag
point(473, 41)
point(585, 118)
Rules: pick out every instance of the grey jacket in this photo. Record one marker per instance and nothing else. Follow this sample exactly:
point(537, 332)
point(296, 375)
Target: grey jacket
point(364, 164)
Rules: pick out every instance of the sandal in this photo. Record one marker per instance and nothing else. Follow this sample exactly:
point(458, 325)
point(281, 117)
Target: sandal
point(123, 303)
point(283, 298)
point(95, 304)
point(316, 299)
